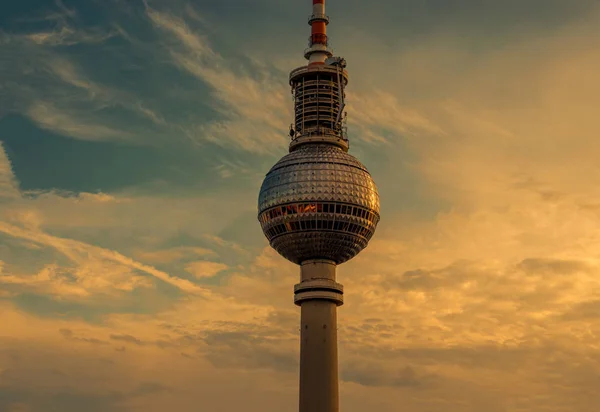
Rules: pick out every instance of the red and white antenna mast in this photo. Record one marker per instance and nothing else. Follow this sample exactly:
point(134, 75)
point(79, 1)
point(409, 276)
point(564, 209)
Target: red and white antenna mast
point(318, 89)
point(318, 50)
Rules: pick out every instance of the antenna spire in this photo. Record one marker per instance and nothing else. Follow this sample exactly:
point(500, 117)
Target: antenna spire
point(318, 50)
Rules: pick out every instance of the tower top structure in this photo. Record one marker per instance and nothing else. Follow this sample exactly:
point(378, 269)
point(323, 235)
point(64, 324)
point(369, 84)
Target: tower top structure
point(318, 89)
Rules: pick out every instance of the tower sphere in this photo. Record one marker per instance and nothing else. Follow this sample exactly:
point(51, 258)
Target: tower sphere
point(318, 202)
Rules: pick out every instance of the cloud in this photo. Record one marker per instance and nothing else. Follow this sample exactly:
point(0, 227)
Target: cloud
point(52, 89)
point(554, 266)
point(69, 335)
point(66, 71)
point(9, 187)
point(523, 131)
point(231, 168)
point(60, 372)
point(84, 273)
point(80, 113)
point(67, 36)
point(25, 401)
point(378, 114)
point(51, 280)
point(66, 29)
point(172, 254)
point(126, 338)
point(217, 240)
point(47, 116)
point(370, 375)
point(87, 256)
point(247, 125)
point(244, 349)
point(205, 269)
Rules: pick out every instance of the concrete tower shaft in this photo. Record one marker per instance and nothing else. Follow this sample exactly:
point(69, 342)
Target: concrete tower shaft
point(318, 296)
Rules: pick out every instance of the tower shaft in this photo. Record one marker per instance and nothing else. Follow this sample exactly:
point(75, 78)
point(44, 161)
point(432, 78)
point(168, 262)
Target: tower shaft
point(318, 357)
point(318, 295)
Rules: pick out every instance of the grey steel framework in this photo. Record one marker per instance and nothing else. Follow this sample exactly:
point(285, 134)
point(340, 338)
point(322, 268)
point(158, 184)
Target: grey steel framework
point(318, 207)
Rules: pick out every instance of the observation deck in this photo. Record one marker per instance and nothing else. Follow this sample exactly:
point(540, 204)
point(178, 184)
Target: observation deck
point(318, 96)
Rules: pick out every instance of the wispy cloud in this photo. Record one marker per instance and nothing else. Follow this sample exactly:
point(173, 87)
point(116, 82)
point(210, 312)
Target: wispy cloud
point(228, 168)
point(205, 269)
point(68, 118)
point(172, 254)
point(68, 36)
point(66, 29)
point(82, 254)
point(47, 116)
point(92, 269)
point(76, 283)
point(378, 114)
point(8, 183)
point(51, 89)
point(255, 108)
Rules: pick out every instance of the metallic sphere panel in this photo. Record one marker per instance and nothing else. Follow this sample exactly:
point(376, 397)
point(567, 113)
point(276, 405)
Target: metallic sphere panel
point(318, 202)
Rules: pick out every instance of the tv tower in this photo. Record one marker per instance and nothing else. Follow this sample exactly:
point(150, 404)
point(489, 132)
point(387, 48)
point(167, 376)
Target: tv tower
point(318, 207)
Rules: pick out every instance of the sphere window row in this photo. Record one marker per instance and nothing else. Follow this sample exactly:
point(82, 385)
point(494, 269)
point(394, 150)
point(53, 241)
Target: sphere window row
point(301, 208)
point(338, 226)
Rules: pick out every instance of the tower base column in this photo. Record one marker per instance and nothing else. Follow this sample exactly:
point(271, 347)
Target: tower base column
point(318, 296)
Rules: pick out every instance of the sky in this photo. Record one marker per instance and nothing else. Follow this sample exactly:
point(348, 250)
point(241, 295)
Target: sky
point(134, 138)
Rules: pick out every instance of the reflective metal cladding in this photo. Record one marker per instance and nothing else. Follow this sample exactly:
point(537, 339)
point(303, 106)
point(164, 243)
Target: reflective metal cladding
point(318, 202)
